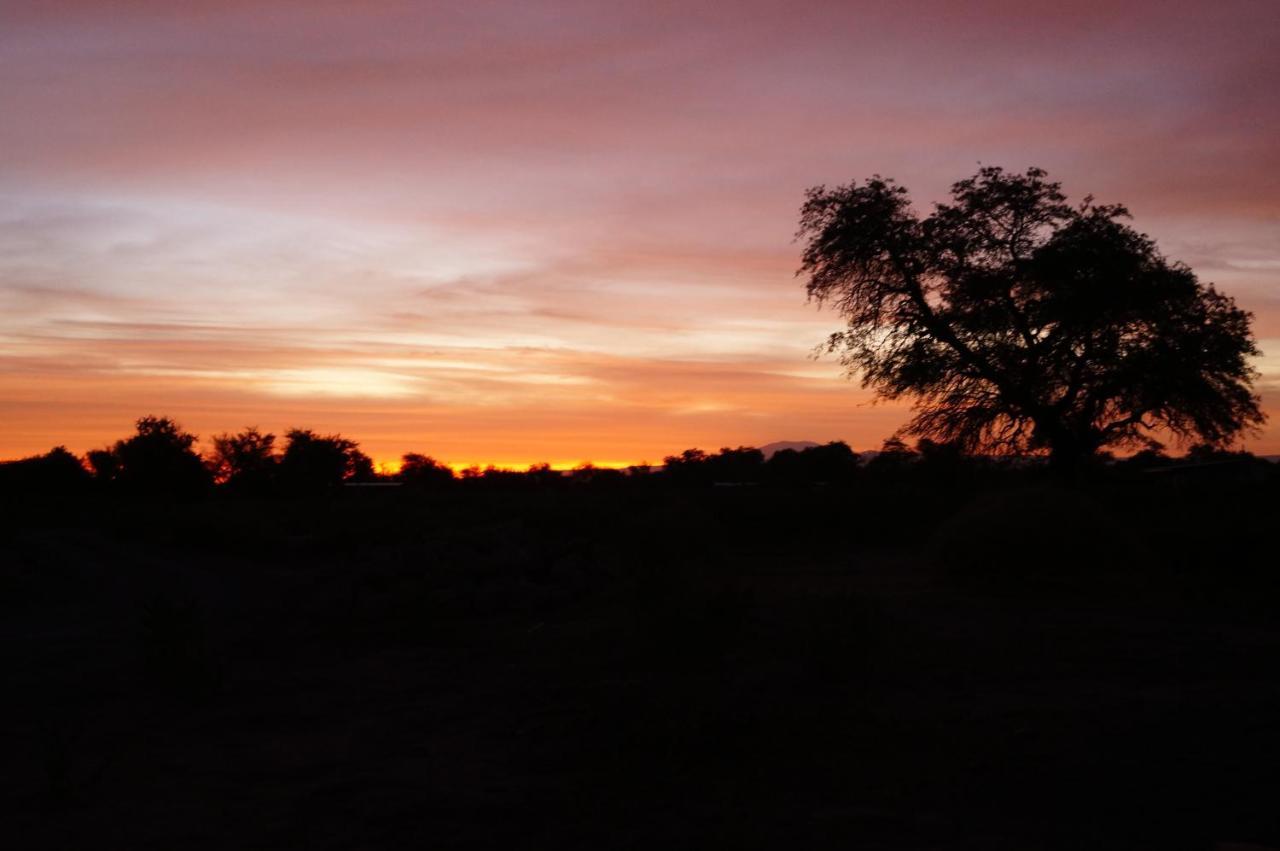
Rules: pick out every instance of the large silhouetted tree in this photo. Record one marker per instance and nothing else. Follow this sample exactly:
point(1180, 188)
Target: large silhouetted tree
point(1017, 322)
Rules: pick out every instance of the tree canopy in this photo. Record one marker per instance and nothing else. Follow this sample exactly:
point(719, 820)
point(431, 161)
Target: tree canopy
point(312, 461)
point(1016, 322)
point(245, 461)
point(158, 459)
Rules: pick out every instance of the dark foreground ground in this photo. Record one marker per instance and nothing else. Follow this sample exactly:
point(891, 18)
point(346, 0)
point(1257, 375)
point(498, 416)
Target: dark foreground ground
point(877, 667)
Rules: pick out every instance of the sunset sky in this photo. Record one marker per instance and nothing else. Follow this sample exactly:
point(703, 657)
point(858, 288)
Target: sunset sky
point(506, 232)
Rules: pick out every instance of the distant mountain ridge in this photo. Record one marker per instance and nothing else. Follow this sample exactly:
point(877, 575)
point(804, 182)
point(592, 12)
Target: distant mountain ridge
point(770, 449)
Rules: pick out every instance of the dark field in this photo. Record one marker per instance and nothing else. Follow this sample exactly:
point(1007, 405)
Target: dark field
point(586, 666)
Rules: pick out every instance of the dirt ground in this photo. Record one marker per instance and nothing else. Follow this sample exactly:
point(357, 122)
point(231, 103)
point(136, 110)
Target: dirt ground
point(745, 670)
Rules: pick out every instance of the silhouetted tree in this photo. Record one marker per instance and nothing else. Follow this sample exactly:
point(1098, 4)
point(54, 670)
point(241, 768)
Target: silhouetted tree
point(943, 463)
point(695, 467)
point(542, 474)
point(642, 472)
point(104, 464)
point(1152, 456)
point(1207, 452)
point(830, 462)
point(360, 467)
point(159, 460)
point(894, 455)
point(1017, 322)
point(785, 467)
point(599, 477)
point(743, 464)
point(423, 471)
point(246, 461)
point(583, 473)
point(314, 462)
point(689, 467)
point(497, 477)
point(935, 453)
point(55, 473)
point(587, 473)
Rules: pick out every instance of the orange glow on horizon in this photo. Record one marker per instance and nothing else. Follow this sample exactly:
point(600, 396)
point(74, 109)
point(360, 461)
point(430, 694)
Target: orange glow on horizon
point(558, 466)
point(390, 467)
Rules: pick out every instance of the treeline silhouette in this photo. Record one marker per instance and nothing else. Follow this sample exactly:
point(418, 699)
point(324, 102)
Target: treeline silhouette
point(160, 460)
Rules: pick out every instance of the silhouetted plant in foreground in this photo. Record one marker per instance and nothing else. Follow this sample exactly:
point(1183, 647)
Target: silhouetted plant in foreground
point(1019, 323)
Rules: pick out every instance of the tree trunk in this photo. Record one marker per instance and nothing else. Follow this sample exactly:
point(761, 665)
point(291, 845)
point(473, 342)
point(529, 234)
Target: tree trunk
point(1067, 455)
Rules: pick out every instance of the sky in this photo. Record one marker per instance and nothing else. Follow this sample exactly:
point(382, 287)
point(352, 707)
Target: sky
point(509, 232)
